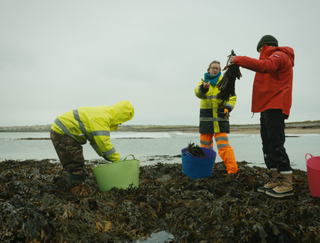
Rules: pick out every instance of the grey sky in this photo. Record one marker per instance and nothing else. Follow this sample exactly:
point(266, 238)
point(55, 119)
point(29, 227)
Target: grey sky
point(56, 56)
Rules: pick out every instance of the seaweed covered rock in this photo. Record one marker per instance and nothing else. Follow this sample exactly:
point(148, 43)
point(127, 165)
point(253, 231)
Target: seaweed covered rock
point(37, 205)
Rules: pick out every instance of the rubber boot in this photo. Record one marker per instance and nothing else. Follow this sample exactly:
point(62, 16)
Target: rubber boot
point(72, 177)
point(285, 188)
point(272, 183)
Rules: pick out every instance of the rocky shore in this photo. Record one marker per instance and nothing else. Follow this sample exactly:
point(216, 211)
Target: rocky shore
point(37, 205)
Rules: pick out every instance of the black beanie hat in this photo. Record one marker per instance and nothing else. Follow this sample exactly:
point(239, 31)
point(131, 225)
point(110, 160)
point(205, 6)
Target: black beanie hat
point(268, 40)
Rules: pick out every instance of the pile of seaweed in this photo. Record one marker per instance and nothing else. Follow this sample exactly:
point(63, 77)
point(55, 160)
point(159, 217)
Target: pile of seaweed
point(37, 205)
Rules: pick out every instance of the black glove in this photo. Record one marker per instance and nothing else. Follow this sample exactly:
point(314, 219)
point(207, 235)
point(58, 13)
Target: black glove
point(223, 112)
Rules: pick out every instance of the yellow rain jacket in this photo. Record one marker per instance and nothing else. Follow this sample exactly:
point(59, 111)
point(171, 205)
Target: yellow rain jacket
point(94, 124)
point(209, 120)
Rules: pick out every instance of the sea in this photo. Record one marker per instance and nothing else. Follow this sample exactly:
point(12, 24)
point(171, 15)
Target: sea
point(153, 147)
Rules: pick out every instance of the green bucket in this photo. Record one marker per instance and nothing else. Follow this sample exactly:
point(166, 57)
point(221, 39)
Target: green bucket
point(119, 174)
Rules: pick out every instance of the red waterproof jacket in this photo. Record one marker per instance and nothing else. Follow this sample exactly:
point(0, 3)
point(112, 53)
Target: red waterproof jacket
point(272, 87)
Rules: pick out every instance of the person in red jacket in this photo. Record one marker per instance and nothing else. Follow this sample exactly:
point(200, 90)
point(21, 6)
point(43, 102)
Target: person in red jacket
point(272, 98)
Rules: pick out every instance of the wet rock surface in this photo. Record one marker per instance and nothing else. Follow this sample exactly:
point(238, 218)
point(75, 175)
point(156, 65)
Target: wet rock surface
point(37, 205)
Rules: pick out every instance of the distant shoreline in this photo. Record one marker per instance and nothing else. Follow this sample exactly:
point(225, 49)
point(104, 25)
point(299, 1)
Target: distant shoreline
point(291, 128)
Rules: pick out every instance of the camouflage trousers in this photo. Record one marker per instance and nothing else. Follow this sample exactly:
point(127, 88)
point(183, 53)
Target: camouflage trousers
point(69, 152)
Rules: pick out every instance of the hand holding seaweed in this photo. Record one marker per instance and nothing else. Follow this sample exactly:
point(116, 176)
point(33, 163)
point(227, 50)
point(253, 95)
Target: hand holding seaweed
point(227, 83)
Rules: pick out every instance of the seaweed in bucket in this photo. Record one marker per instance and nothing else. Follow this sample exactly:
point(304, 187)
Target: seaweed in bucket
point(195, 150)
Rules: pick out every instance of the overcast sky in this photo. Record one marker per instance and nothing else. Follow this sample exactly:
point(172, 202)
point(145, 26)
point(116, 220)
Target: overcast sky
point(56, 56)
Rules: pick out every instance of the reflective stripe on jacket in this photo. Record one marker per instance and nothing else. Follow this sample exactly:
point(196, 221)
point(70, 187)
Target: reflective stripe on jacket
point(94, 124)
point(209, 120)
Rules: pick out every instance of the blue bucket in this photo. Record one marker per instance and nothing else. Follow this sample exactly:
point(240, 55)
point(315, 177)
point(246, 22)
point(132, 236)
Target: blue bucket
point(198, 167)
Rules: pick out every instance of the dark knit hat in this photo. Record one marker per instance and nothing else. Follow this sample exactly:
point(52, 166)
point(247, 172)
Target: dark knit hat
point(268, 40)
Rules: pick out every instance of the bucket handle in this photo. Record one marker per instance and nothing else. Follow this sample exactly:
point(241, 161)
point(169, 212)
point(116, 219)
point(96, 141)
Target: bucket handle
point(188, 154)
point(307, 156)
point(108, 162)
point(98, 163)
point(119, 160)
point(127, 156)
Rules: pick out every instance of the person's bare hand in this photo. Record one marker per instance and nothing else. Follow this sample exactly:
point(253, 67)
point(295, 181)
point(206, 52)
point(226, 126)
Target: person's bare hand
point(206, 85)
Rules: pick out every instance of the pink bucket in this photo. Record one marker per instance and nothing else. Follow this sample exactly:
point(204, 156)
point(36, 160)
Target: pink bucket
point(313, 169)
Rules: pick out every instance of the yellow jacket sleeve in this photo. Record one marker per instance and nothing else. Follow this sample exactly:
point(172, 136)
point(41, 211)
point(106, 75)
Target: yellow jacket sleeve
point(101, 140)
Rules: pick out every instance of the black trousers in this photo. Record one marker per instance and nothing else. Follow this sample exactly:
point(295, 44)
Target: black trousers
point(273, 137)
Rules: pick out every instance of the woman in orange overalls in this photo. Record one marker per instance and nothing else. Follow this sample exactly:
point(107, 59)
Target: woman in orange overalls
point(214, 121)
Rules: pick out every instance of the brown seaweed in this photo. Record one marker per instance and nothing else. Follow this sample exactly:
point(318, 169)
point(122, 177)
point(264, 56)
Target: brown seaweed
point(195, 150)
point(37, 205)
point(227, 83)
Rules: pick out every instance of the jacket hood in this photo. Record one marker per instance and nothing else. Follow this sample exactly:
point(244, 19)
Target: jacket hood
point(267, 51)
point(121, 112)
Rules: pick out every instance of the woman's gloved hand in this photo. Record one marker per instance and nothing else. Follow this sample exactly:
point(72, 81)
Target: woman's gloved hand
point(224, 112)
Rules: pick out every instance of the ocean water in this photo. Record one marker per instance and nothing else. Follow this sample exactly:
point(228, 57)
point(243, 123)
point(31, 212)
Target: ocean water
point(152, 147)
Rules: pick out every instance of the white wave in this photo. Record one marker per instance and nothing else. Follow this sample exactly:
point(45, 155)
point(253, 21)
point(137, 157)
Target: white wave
point(184, 134)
